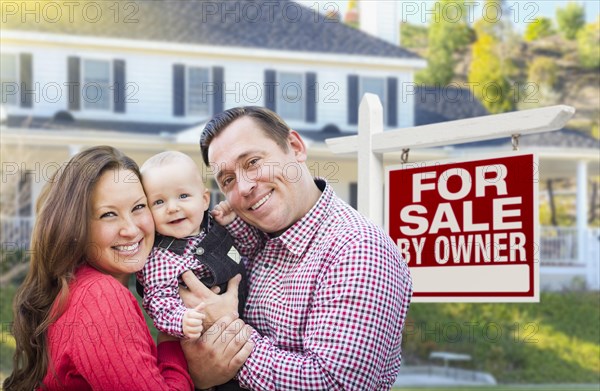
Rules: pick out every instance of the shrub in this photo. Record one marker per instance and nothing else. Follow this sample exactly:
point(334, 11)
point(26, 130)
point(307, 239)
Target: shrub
point(588, 45)
point(543, 71)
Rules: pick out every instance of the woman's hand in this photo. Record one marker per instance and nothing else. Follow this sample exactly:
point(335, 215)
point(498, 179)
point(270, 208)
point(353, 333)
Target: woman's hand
point(218, 355)
point(216, 306)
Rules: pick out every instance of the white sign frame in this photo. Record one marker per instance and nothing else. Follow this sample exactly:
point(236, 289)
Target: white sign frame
point(536, 231)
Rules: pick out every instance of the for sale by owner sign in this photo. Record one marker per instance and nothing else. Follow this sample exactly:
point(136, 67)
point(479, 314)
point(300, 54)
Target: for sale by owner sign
point(468, 230)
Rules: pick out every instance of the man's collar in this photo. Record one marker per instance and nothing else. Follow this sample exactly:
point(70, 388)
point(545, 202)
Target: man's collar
point(297, 237)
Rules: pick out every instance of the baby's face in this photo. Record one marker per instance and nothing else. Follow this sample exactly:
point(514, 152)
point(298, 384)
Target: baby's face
point(177, 198)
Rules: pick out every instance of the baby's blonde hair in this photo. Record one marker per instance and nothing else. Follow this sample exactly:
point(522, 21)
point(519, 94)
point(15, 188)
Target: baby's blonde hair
point(164, 158)
point(169, 157)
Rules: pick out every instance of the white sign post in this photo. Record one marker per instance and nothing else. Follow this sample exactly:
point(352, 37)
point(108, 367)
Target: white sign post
point(374, 143)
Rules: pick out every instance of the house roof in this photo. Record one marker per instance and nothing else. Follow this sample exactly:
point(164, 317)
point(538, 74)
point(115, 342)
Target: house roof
point(263, 24)
point(59, 123)
point(563, 138)
point(441, 104)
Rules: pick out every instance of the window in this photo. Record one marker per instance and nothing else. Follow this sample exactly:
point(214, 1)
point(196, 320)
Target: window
point(290, 100)
point(9, 79)
point(198, 89)
point(96, 91)
point(376, 86)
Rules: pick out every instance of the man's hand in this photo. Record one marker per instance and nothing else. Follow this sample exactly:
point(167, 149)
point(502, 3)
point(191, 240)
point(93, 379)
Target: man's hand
point(216, 306)
point(223, 213)
point(218, 355)
point(164, 337)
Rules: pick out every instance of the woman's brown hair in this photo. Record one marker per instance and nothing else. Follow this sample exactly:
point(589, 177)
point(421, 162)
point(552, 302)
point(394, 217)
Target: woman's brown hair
point(58, 245)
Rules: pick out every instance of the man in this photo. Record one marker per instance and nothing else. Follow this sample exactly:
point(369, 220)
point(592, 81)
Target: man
point(328, 290)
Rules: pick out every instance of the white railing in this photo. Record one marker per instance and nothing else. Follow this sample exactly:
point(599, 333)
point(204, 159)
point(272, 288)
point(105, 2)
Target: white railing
point(558, 246)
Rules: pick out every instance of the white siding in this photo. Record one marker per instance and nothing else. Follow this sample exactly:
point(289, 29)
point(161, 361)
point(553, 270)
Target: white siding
point(149, 78)
point(332, 97)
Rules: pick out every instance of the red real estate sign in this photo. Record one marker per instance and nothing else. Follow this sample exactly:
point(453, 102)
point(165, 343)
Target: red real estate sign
point(468, 230)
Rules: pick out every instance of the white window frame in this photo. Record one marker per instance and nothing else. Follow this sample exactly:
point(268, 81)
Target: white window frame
point(383, 98)
point(110, 88)
point(192, 111)
point(17, 81)
point(281, 101)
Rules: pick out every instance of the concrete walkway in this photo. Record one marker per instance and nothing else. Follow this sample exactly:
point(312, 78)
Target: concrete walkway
point(432, 375)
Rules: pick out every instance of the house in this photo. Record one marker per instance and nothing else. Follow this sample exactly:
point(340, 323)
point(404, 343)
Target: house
point(154, 68)
point(145, 75)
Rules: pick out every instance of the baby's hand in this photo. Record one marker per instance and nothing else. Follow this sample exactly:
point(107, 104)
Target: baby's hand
point(193, 322)
point(223, 213)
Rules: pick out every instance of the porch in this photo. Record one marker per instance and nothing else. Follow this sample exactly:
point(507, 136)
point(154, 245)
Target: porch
point(562, 267)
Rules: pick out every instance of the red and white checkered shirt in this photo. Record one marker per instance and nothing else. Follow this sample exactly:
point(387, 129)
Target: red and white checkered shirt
point(160, 278)
point(328, 299)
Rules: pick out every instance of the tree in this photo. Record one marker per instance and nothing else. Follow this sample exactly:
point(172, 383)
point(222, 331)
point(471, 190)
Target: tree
point(588, 45)
point(488, 74)
point(570, 19)
point(413, 36)
point(491, 68)
point(448, 33)
point(539, 28)
point(539, 90)
point(496, 20)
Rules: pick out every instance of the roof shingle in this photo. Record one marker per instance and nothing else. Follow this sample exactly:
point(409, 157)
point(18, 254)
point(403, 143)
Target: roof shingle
point(261, 24)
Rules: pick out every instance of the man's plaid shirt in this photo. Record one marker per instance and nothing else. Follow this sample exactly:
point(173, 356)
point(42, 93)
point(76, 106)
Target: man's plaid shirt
point(328, 299)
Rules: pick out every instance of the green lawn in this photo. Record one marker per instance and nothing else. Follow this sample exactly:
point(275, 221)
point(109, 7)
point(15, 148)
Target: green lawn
point(555, 341)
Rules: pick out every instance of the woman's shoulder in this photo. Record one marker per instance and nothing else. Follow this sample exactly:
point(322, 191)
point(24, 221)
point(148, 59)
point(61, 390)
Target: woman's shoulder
point(91, 283)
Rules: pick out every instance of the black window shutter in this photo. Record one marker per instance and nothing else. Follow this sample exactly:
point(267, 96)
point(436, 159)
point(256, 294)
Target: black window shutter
point(179, 90)
point(352, 99)
point(392, 101)
point(74, 80)
point(311, 97)
point(26, 76)
point(119, 86)
point(217, 79)
point(270, 90)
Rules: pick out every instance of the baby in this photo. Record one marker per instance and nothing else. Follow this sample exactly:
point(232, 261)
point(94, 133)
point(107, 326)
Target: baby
point(179, 202)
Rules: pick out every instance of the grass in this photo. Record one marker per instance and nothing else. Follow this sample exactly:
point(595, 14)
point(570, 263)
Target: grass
point(554, 341)
point(7, 342)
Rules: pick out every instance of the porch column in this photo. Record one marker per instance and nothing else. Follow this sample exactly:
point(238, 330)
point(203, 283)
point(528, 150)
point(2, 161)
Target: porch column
point(582, 230)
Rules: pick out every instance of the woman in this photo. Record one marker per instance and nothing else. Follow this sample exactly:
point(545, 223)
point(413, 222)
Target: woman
point(76, 324)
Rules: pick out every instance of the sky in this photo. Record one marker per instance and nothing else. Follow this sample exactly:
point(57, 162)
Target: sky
point(523, 11)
